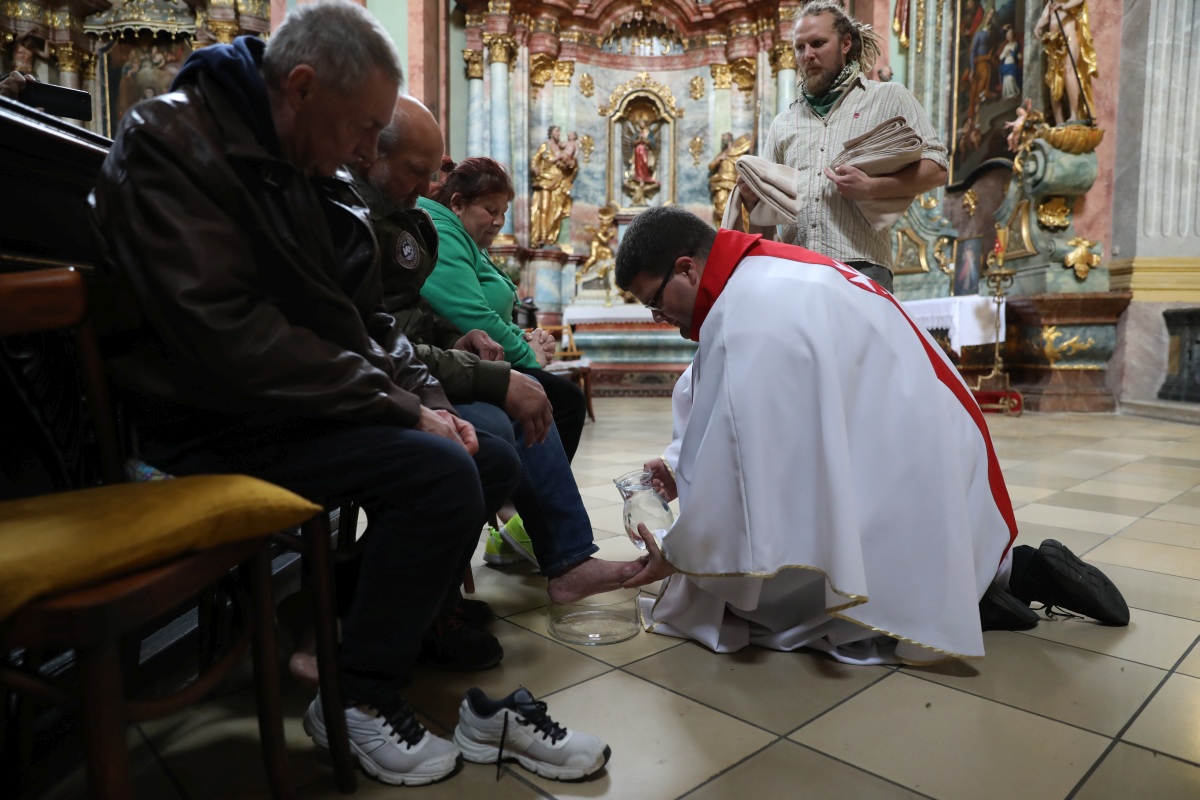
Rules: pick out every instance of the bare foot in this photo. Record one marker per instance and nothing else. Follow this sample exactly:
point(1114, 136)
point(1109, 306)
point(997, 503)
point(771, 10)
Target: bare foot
point(303, 663)
point(590, 577)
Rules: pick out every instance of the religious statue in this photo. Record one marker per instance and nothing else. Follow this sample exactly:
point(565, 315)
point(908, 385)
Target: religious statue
point(554, 166)
point(1070, 58)
point(641, 142)
point(722, 174)
point(600, 255)
point(26, 50)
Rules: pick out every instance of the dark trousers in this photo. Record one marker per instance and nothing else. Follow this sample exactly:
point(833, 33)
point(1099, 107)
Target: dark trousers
point(426, 500)
point(570, 407)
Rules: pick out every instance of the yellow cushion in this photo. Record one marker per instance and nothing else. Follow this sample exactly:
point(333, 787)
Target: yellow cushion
point(61, 541)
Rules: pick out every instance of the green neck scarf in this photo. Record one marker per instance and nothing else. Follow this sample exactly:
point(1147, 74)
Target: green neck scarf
point(823, 104)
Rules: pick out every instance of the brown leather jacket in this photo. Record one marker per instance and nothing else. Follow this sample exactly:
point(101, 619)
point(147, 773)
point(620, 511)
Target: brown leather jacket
point(256, 288)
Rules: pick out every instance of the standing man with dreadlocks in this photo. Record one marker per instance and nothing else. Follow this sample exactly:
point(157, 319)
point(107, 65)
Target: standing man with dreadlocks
point(835, 54)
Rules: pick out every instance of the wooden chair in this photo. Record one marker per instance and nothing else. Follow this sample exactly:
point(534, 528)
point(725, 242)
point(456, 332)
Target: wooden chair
point(579, 374)
point(83, 569)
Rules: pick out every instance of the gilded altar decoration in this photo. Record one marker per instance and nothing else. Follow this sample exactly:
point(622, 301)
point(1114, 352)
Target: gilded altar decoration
point(783, 56)
point(599, 264)
point(1081, 259)
point(642, 81)
point(563, 70)
point(500, 47)
point(696, 88)
point(742, 72)
point(696, 148)
point(722, 76)
point(554, 166)
point(1066, 37)
point(474, 59)
point(969, 201)
point(722, 175)
point(1054, 213)
point(1054, 352)
point(1074, 139)
point(587, 86)
point(541, 68)
point(586, 145)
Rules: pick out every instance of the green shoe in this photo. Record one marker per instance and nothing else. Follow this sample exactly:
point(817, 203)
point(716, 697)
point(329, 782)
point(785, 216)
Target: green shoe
point(498, 552)
point(514, 535)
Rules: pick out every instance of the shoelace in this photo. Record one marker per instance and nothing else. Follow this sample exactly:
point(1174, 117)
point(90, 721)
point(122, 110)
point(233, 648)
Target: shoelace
point(535, 715)
point(1054, 612)
point(403, 722)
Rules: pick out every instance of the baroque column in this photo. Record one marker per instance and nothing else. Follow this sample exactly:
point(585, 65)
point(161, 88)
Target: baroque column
point(722, 91)
point(783, 67)
point(501, 53)
point(474, 61)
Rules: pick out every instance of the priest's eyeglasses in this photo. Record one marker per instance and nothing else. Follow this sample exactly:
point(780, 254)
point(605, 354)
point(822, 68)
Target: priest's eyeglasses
point(655, 303)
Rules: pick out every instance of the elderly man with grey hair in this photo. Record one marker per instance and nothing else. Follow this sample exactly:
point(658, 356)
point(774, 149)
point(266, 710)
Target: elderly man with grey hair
point(258, 346)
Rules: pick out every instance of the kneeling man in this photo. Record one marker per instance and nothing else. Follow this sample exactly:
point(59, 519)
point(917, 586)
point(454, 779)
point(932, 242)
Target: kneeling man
point(838, 487)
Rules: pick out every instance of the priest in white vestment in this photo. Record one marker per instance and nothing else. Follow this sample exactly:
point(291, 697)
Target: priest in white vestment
point(837, 483)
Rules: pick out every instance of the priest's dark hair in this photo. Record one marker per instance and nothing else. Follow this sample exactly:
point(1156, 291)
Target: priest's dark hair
point(656, 238)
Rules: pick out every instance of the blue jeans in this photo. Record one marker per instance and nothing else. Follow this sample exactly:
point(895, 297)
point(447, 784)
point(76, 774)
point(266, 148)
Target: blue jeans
point(546, 498)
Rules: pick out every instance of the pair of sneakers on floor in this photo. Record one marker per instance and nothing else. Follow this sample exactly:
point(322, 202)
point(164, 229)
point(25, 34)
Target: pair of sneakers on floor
point(508, 544)
point(392, 746)
point(1061, 581)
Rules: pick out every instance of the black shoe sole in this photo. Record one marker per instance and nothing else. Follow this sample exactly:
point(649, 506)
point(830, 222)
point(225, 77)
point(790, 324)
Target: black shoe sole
point(1080, 587)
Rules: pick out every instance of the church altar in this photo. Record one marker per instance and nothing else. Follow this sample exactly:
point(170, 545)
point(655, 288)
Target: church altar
point(969, 321)
point(630, 353)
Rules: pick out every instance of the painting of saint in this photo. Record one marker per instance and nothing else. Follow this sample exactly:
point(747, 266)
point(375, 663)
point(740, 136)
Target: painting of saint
point(989, 55)
point(140, 67)
point(968, 258)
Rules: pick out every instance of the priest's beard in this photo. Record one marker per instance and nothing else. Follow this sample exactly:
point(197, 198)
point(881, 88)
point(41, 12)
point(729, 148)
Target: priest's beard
point(817, 86)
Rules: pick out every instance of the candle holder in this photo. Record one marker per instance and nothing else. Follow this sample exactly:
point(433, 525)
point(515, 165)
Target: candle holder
point(999, 280)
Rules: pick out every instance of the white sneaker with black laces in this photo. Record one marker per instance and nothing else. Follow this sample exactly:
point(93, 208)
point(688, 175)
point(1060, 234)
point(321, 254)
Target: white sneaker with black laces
point(518, 728)
point(391, 745)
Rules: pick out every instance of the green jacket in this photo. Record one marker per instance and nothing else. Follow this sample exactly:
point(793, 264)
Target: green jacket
point(470, 291)
point(408, 245)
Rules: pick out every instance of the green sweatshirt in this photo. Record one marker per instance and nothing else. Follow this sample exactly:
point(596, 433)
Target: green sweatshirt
point(470, 291)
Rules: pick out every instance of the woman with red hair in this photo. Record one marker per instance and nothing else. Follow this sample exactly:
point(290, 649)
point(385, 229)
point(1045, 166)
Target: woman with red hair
point(468, 205)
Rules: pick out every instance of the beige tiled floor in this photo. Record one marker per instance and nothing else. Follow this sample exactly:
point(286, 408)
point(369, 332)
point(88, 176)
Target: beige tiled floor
point(1069, 710)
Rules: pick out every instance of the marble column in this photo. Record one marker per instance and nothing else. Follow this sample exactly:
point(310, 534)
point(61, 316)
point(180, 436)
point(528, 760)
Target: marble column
point(501, 52)
point(68, 71)
point(564, 115)
point(1156, 216)
point(783, 66)
point(743, 72)
point(475, 110)
point(88, 73)
point(722, 113)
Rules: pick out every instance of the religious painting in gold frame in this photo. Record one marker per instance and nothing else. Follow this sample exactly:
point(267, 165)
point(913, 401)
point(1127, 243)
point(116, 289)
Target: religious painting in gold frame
point(989, 60)
point(135, 67)
point(968, 266)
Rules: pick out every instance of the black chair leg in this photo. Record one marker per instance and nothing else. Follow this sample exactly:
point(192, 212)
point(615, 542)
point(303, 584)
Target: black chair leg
point(109, 776)
point(320, 565)
point(266, 676)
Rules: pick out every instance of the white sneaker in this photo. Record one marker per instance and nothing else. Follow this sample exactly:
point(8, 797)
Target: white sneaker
point(517, 727)
point(391, 745)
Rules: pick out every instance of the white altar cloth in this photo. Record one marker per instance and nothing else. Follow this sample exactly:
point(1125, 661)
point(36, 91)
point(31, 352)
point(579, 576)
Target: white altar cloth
point(617, 312)
point(970, 320)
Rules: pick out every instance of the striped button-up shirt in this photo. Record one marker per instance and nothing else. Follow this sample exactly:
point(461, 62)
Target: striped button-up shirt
point(829, 223)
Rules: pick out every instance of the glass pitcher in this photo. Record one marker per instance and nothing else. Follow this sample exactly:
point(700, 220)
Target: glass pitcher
point(642, 504)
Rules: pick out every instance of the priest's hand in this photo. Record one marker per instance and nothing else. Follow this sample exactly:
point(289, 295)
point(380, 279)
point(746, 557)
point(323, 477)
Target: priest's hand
point(655, 566)
point(482, 345)
point(661, 479)
point(526, 402)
